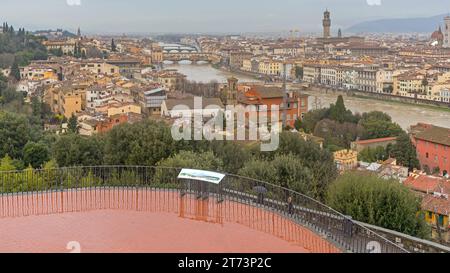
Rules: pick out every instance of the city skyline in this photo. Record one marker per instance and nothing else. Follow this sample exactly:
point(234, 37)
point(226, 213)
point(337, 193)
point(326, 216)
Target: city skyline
point(257, 126)
point(100, 16)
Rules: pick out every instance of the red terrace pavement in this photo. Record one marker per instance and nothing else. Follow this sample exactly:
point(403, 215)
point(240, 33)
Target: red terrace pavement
point(129, 231)
point(146, 221)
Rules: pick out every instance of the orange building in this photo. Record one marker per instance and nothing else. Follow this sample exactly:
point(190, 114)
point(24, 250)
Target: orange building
point(433, 147)
point(91, 127)
point(109, 123)
point(297, 105)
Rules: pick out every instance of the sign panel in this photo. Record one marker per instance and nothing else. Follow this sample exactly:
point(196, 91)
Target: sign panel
point(200, 175)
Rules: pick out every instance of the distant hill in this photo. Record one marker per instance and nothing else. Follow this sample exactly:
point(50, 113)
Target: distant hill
point(59, 33)
point(424, 24)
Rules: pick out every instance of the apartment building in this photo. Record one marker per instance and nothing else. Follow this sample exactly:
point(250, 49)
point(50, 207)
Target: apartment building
point(66, 99)
point(312, 73)
point(433, 147)
point(99, 67)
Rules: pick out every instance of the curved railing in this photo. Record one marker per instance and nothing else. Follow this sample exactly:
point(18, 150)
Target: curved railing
point(330, 225)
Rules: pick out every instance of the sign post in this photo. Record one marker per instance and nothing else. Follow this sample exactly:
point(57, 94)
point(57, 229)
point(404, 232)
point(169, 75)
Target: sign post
point(200, 181)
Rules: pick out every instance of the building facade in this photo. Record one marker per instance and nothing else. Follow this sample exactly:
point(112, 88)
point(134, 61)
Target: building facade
point(433, 147)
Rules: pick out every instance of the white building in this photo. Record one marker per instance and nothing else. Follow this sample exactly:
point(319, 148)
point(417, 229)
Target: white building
point(311, 73)
point(367, 79)
point(328, 76)
point(445, 95)
point(385, 81)
point(350, 79)
point(185, 108)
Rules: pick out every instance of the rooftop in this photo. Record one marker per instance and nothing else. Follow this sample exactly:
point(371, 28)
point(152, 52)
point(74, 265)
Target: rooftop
point(440, 205)
point(377, 140)
point(435, 134)
point(427, 184)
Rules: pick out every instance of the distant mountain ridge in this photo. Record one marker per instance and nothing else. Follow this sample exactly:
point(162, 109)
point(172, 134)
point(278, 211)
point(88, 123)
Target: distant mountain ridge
point(399, 25)
point(55, 33)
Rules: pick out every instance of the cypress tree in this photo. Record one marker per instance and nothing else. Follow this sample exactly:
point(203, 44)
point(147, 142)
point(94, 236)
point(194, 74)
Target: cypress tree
point(73, 124)
point(113, 46)
point(76, 50)
point(15, 71)
point(338, 111)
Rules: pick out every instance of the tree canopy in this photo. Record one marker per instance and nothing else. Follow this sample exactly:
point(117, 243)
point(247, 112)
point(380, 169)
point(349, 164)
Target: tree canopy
point(379, 125)
point(405, 152)
point(35, 154)
point(143, 143)
point(76, 150)
point(384, 203)
point(339, 126)
point(20, 47)
point(14, 134)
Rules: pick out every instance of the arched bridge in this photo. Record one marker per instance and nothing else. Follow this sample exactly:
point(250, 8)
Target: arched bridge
point(257, 204)
point(177, 48)
point(193, 57)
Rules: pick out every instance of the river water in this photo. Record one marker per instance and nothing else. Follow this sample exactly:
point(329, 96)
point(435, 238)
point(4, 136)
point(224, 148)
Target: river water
point(404, 115)
point(206, 73)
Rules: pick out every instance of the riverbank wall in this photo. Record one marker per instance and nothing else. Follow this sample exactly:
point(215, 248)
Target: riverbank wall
point(383, 97)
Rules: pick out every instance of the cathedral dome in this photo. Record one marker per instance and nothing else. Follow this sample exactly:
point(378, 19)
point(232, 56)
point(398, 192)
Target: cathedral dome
point(437, 35)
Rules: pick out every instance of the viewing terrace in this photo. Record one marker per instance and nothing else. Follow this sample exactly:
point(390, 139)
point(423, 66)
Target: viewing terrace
point(150, 209)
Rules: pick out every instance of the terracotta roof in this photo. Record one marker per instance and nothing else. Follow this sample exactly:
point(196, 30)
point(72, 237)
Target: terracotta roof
point(378, 140)
point(427, 184)
point(435, 134)
point(440, 205)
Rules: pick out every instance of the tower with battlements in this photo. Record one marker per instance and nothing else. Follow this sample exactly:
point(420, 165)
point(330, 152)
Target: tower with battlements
point(326, 24)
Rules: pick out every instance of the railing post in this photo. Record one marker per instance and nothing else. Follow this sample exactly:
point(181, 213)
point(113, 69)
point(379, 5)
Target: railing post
point(62, 194)
point(285, 208)
point(137, 189)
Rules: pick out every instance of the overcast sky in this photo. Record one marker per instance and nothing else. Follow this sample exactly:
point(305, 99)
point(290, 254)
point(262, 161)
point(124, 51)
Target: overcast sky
point(146, 16)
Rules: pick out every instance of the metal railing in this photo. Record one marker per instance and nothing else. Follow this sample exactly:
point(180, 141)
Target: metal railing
point(257, 204)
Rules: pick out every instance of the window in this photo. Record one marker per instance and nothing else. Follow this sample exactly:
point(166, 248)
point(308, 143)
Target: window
point(427, 155)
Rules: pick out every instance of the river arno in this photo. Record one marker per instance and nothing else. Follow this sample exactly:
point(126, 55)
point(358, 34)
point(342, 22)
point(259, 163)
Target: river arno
point(405, 115)
point(206, 73)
